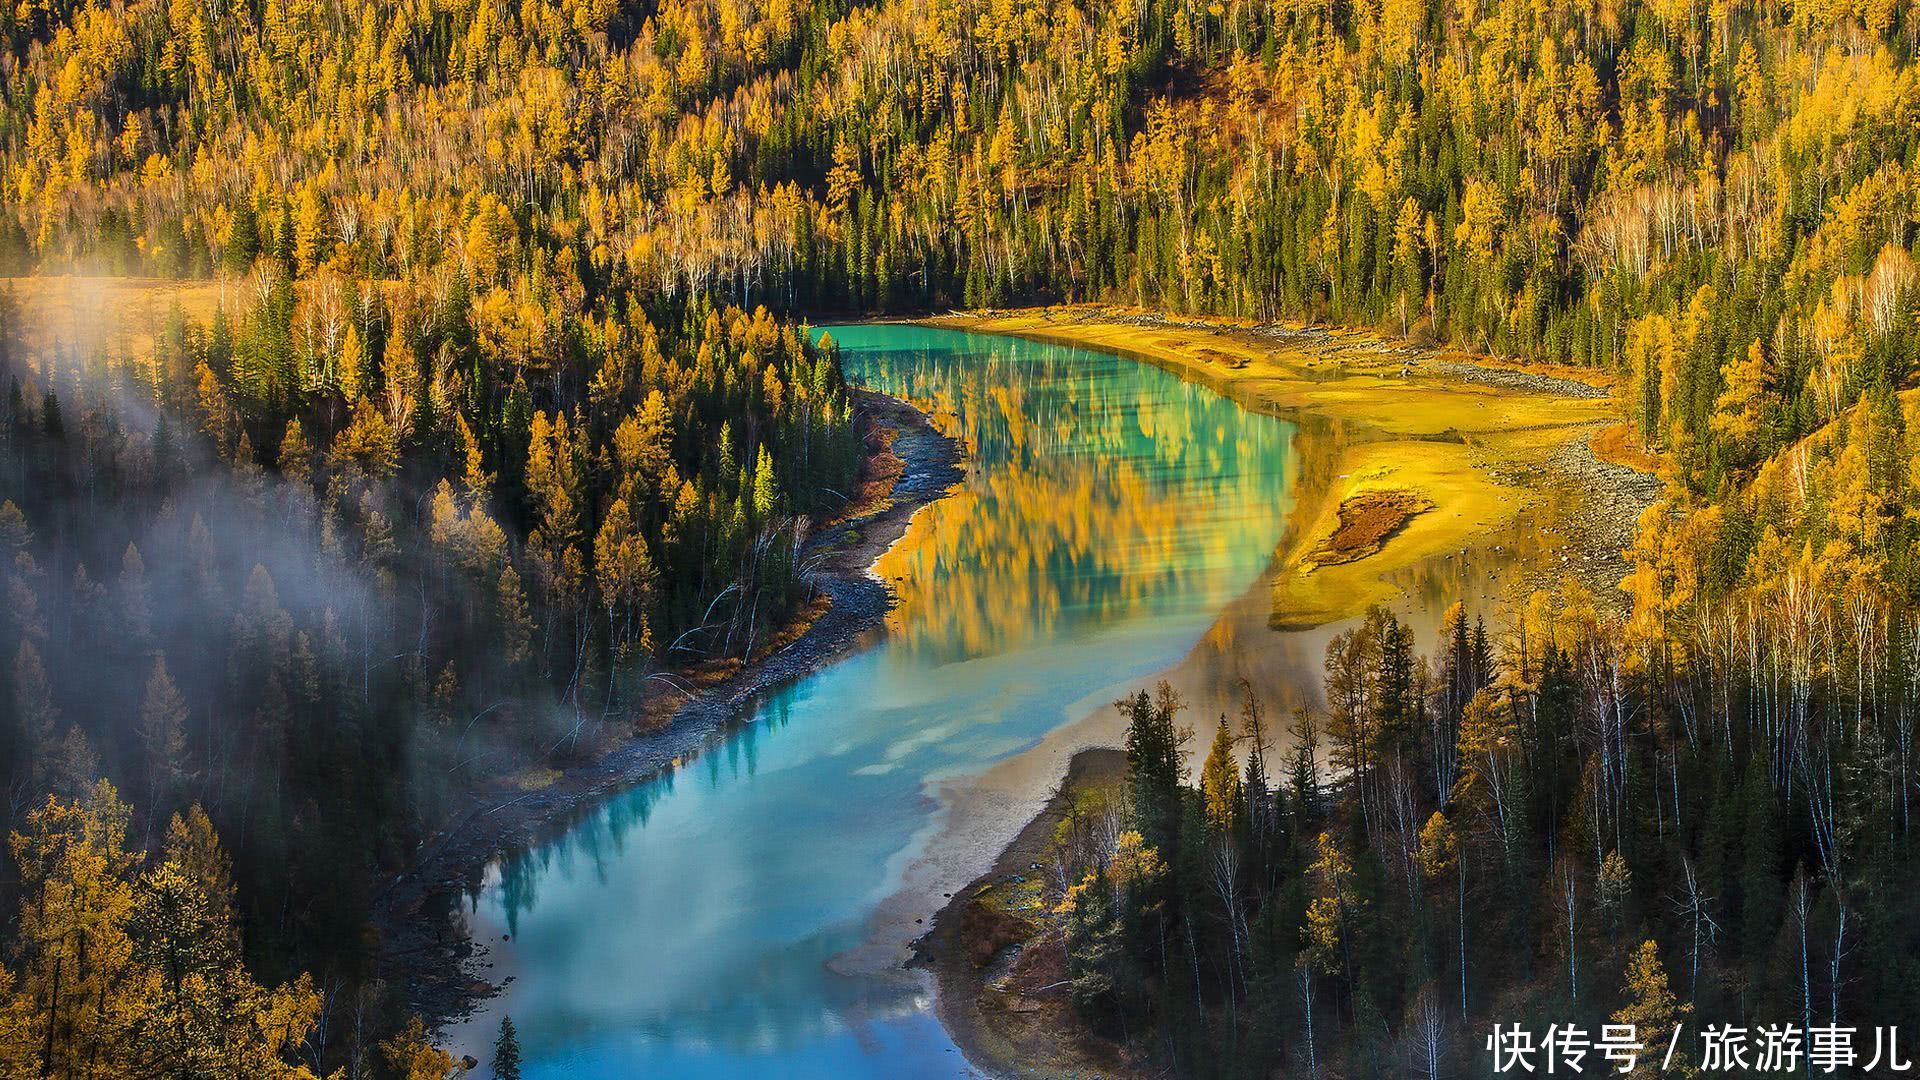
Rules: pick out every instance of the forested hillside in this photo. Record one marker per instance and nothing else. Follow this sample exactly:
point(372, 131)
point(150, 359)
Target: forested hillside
point(1715, 201)
point(493, 427)
point(418, 587)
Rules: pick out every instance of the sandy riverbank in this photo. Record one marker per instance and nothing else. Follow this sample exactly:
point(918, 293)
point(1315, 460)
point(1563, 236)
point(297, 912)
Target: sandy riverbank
point(1489, 447)
point(422, 945)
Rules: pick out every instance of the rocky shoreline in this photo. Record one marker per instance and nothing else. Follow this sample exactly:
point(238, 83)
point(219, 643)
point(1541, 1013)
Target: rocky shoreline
point(422, 946)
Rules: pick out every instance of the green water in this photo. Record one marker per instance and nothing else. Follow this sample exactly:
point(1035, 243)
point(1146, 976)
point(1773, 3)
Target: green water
point(712, 922)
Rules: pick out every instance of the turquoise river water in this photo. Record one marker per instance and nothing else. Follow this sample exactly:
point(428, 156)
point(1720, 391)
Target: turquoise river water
point(721, 920)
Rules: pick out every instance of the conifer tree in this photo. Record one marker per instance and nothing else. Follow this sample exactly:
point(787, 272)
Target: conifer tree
point(506, 1052)
point(1653, 1011)
point(1220, 782)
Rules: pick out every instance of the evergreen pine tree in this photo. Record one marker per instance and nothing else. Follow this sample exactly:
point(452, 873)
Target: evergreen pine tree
point(506, 1052)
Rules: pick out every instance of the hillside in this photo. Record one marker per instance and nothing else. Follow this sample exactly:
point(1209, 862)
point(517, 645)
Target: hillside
point(395, 390)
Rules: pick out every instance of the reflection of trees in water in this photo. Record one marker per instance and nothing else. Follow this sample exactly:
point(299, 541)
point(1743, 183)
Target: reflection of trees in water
point(788, 996)
point(1103, 493)
point(1318, 450)
point(1030, 410)
point(597, 836)
point(1098, 486)
point(587, 844)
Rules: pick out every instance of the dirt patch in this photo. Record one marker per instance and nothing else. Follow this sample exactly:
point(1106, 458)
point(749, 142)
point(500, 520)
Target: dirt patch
point(1366, 522)
point(988, 929)
point(1215, 356)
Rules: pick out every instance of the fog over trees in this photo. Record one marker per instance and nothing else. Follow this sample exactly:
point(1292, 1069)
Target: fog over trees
point(324, 637)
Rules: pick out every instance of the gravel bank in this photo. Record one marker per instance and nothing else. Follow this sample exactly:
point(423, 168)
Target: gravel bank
point(1599, 525)
point(1508, 379)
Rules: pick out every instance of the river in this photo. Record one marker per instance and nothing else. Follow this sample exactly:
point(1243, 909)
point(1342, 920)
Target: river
point(746, 914)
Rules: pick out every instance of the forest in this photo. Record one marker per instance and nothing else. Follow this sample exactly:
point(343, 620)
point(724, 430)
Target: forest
point(511, 406)
point(1529, 826)
point(315, 648)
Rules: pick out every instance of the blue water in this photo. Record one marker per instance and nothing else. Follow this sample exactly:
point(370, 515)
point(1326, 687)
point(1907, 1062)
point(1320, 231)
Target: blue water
point(702, 924)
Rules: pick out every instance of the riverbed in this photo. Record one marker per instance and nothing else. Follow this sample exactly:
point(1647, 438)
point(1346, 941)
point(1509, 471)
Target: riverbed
point(748, 912)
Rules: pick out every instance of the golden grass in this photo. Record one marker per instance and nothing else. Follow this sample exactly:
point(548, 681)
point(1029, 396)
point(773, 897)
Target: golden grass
point(1384, 419)
point(535, 777)
point(111, 310)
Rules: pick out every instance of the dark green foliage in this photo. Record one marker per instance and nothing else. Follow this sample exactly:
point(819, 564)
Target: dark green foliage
point(1523, 888)
point(506, 1052)
point(1154, 766)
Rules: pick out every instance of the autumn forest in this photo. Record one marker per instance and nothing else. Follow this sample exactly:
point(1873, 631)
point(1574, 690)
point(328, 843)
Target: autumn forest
point(481, 409)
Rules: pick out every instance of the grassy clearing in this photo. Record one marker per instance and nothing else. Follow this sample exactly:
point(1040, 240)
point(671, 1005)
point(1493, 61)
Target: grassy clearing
point(1379, 417)
point(119, 312)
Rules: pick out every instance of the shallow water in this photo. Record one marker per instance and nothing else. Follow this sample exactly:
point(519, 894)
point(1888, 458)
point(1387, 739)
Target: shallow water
point(721, 920)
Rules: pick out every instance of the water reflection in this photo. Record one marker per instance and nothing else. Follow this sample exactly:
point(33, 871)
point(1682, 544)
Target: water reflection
point(1096, 488)
point(719, 921)
point(598, 838)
